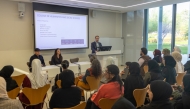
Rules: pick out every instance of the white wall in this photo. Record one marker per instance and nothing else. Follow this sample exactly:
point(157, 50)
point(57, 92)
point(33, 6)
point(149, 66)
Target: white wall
point(133, 34)
point(17, 35)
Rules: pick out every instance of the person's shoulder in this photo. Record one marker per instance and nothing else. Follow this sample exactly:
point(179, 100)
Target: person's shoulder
point(76, 88)
point(92, 42)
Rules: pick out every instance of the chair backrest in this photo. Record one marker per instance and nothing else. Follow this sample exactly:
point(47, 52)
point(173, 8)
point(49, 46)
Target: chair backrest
point(27, 63)
point(140, 95)
point(14, 93)
point(93, 82)
point(19, 79)
point(82, 105)
point(105, 103)
point(73, 60)
point(58, 83)
point(179, 78)
point(145, 68)
point(36, 96)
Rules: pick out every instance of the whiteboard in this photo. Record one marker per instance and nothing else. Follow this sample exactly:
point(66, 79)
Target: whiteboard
point(116, 43)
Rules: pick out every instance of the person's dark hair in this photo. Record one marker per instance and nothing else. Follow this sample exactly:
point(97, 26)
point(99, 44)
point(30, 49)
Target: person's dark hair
point(65, 64)
point(67, 79)
point(153, 66)
point(7, 71)
point(97, 36)
point(96, 68)
point(134, 68)
point(55, 53)
point(92, 57)
point(113, 69)
point(36, 49)
point(144, 50)
point(186, 83)
point(128, 63)
point(169, 61)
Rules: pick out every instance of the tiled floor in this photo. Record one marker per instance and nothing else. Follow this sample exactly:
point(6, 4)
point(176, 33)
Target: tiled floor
point(49, 94)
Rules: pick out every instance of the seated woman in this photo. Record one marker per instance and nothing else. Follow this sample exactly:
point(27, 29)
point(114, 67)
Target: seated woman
point(123, 103)
point(186, 93)
point(57, 57)
point(187, 67)
point(6, 73)
point(34, 80)
point(168, 71)
point(159, 93)
point(179, 66)
point(132, 82)
point(125, 72)
point(157, 56)
point(5, 101)
point(68, 95)
point(154, 73)
point(95, 70)
point(113, 89)
point(65, 65)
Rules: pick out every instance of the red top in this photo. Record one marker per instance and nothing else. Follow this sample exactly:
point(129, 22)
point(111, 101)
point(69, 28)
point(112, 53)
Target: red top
point(110, 90)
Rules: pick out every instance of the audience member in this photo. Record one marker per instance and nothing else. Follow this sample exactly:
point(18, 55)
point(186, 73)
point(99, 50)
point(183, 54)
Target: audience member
point(166, 52)
point(159, 93)
point(6, 73)
point(34, 80)
point(57, 57)
point(111, 90)
point(68, 95)
point(179, 66)
point(109, 61)
point(132, 82)
point(168, 71)
point(95, 70)
point(5, 101)
point(65, 65)
point(157, 56)
point(186, 93)
point(154, 73)
point(187, 67)
point(123, 103)
point(143, 60)
point(176, 48)
point(36, 56)
point(125, 72)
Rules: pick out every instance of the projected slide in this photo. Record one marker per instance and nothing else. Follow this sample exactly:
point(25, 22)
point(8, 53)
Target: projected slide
point(60, 30)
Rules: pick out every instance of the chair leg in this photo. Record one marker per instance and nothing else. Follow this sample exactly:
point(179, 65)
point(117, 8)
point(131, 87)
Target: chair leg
point(86, 96)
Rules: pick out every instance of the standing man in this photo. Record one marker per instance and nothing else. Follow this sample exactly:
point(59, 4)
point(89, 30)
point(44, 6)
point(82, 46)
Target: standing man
point(36, 56)
point(143, 60)
point(95, 45)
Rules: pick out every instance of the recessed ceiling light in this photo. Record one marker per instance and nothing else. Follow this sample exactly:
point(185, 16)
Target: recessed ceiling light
point(115, 5)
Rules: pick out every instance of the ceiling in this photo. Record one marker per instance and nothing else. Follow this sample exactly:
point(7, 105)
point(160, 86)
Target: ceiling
point(109, 5)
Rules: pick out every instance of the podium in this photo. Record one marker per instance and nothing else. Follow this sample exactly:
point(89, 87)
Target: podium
point(103, 55)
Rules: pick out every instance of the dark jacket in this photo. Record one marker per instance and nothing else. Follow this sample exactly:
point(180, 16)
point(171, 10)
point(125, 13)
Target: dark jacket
point(170, 74)
point(157, 59)
point(65, 98)
point(151, 76)
point(131, 83)
point(94, 47)
point(40, 57)
point(55, 60)
point(88, 73)
point(186, 100)
point(123, 103)
point(159, 105)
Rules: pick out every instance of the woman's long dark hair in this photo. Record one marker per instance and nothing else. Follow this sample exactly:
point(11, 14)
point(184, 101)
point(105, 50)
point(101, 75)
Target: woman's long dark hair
point(113, 69)
point(55, 53)
point(134, 68)
point(96, 68)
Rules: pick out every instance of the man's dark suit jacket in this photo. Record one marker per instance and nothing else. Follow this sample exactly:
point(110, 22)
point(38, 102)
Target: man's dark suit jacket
point(94, 47)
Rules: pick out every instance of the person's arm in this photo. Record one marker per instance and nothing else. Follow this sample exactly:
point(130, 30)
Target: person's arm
point(84, 77)
point(43, 63)
point(52, 60)
point(165, 72)
point(99, 94)
point(53, 100)
point(92, 47)
point(141, 61)
point(30, 62)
